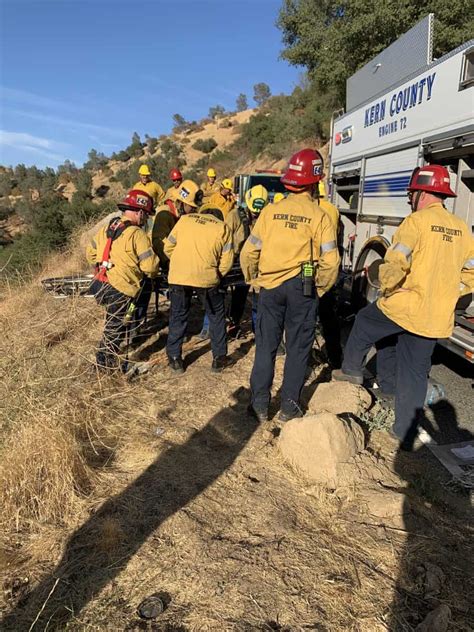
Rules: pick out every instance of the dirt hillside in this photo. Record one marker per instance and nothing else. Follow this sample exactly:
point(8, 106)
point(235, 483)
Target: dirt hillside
point(114, 490)
point(224, 131)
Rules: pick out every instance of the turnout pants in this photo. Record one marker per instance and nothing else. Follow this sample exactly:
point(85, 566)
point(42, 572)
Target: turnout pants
point(282, 309)
point(239, 295)
point(116, 305)
point(403, 364)
point(180, 299)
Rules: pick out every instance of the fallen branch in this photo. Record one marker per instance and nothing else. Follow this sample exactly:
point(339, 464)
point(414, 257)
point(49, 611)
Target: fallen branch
point(44, 605)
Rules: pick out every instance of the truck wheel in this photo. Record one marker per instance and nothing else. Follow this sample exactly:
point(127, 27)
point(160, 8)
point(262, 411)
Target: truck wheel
point(365, 285)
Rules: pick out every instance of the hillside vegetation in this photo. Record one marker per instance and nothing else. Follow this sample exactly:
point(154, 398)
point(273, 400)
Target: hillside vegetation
point(39, 209)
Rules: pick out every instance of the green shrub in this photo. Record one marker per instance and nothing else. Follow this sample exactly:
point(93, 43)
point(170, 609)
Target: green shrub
point(121, 156)
point(206, 145)
point(215, 111)
point(6, 184)
point(6, 209)
point(23, 257)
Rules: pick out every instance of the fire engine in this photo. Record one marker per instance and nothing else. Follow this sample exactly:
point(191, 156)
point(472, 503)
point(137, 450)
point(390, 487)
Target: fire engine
point(403, 109)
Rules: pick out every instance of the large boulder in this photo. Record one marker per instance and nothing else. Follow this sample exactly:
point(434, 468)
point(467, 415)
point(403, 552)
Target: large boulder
point(321, 447)
point(338, 398)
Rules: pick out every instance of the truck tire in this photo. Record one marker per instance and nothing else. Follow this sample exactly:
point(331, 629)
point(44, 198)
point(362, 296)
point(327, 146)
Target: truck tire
point(364, 286)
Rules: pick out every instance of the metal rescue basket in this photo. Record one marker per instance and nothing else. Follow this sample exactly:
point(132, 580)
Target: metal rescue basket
point(63, 287)
point(79, 285)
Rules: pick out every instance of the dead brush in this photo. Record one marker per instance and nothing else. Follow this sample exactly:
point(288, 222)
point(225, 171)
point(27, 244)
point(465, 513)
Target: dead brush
point(255, 549)
point(43, 474)
point(54, 429)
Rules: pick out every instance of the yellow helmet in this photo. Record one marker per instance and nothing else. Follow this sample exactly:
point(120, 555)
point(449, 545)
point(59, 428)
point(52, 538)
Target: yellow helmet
point(189, 193)
point(144, 170)
point(278, 197)
point(322, 189)
point(227, 184)
point(256, 198)
point(211, 173)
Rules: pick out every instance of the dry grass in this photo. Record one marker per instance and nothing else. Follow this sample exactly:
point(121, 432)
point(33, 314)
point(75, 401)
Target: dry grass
point(112, 491)
point(54, 428)
point(43, 473)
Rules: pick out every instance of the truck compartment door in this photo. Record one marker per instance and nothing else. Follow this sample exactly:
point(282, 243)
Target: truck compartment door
point(384, 191)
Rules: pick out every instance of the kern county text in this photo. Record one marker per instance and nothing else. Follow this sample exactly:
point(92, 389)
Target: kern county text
point(400, 101)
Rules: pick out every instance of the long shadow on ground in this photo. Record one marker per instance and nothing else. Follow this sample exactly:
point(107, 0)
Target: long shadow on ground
point(436, 561)
point(177, 477)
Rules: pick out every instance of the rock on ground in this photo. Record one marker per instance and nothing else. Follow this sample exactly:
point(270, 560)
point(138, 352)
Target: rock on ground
point(339, 397)
point(386, 507)
point(436, 621)
point(321, 447)
point(431, 578)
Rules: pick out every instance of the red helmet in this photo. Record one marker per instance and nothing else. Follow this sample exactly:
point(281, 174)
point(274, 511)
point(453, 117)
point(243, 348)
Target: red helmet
point(137, 200)
point(304, 168)
point(175, 174)
point(432, 179)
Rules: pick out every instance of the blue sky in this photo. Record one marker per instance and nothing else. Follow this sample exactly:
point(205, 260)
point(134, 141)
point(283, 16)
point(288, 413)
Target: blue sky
point(77, 74)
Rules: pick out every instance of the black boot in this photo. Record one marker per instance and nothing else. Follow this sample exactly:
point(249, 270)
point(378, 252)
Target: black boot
point(233, 332)
point(289, 410)
point(220, 363)
point(176, 364)
point(260, 414)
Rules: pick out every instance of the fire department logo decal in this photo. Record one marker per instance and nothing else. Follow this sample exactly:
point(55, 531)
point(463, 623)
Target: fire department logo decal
point(142, 200)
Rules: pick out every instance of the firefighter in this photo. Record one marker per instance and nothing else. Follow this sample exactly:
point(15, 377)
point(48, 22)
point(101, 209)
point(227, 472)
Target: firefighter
point(122, 254)
point(255, 211)
point(168, 214)
point(161, 225)
point(429, 264)
point(292, 257)
point(176, 177)
point(200, 251)
point(148, 185)
point(210, 186)
point(327, 304)
point(224, 198)
point(239, 221)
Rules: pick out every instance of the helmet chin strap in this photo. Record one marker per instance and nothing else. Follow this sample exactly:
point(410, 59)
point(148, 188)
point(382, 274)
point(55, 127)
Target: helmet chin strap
point(415, 200)
point(315, 191)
